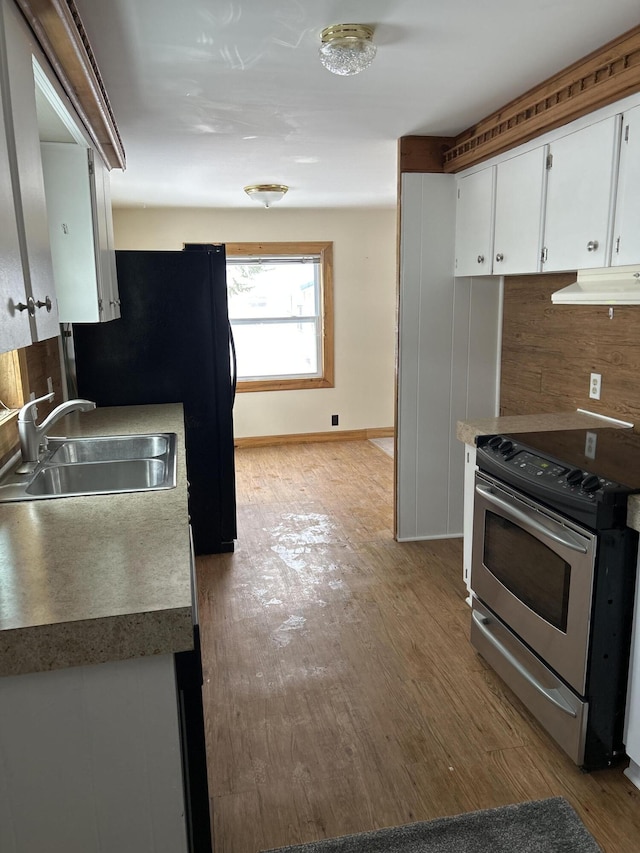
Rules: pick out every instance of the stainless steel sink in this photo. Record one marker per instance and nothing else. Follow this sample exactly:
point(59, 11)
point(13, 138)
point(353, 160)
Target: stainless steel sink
point(72, 467)
point(107, 448)
point(93, 478)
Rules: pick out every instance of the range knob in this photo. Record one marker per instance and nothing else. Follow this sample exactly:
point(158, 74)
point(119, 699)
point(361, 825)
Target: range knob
point(590, 483)
point(574, 477)
point(506, 446)
point(495, 442)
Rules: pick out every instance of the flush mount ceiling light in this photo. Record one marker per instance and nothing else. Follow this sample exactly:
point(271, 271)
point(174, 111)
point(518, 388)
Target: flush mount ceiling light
point(266, 194)
point(347, 48)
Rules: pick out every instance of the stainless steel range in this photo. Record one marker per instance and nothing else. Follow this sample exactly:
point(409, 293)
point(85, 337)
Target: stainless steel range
point(553, 577)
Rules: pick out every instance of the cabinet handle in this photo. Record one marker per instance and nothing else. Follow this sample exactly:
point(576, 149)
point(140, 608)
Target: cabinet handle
point(592, 246)
point(480, 259)
point(46, 304)
point(30, 307)
point(499, 257)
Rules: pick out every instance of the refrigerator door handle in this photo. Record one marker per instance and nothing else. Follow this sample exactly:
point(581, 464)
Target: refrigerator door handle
point(234, 362)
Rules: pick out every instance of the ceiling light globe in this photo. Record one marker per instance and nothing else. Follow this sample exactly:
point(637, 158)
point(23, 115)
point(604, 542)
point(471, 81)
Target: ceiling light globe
point(266, 194)
point(347, 49)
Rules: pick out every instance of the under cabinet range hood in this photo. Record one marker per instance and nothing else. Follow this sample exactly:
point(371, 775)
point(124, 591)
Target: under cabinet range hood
point(604, 286)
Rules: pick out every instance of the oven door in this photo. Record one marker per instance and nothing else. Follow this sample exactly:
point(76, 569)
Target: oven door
point(534, 569)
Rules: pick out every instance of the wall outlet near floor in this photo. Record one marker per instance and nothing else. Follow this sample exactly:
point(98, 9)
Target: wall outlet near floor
point(334, 420)
point(594, 386)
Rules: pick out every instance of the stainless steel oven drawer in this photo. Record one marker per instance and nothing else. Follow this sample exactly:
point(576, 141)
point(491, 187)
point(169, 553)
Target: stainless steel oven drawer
point(562, 713)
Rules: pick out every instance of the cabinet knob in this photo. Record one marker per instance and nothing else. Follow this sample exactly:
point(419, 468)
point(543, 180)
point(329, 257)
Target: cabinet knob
point(592, 246)
point(30, 307)
point(46, 304)
point(499, 257)
point(480, 259)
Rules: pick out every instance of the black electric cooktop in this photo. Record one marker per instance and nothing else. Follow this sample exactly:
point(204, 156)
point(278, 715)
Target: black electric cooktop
point(586, 474)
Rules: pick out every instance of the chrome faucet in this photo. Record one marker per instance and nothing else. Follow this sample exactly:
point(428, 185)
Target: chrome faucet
point(32, 435)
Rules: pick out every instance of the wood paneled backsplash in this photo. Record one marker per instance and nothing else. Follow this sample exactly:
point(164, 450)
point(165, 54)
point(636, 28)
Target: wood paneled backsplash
point(549, 352)
point(36, 364)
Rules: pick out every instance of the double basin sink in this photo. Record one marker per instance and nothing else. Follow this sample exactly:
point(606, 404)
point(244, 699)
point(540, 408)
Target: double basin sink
point(109, 464)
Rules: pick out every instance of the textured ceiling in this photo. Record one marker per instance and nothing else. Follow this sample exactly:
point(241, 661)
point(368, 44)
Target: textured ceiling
point(210, 96)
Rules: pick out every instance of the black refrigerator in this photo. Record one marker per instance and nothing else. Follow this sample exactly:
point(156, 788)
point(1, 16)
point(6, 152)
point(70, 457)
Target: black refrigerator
point(172, 345)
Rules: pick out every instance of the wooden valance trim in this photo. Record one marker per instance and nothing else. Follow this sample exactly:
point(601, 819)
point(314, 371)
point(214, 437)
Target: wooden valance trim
point(608, 74)
point(57, 26)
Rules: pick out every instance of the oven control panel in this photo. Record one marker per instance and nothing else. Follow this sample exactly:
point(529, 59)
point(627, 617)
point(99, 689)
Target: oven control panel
point(558, 484)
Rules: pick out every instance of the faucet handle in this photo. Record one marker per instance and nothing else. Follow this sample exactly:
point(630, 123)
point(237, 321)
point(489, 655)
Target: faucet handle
point(29, 412)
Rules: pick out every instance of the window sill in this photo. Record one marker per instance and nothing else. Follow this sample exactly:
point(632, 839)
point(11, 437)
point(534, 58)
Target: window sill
point(283, 384)
point(6, 417)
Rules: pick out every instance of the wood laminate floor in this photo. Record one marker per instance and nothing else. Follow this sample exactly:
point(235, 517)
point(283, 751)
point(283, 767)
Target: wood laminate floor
point(341, 692)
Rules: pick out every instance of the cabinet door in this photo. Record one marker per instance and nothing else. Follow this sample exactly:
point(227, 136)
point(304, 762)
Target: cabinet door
point(29, 181)
point(520, 184)
point(15, 329)
point(580, 193)
point(626, 246)
point(103, 236)
point(71, 230)
point(474, 223)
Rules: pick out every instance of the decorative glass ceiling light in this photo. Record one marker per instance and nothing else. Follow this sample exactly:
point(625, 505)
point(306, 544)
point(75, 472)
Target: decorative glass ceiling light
point(347, 48)
point(266, 194)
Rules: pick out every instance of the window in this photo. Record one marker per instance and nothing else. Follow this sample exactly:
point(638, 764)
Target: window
point(281, 312)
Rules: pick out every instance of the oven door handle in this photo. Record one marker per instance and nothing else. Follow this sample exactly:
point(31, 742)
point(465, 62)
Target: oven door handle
point(548, 692)
point(561, 535)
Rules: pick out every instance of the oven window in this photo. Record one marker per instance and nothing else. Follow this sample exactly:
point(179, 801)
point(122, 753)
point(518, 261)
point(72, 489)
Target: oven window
point(533, 572)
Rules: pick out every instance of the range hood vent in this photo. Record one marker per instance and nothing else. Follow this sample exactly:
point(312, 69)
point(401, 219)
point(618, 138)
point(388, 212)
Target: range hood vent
point(605, 286)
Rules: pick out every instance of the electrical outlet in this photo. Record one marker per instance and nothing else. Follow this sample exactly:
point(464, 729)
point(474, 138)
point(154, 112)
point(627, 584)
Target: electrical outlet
point(590, 445)
point(50, 384)
point(334, 420)
point(594, 386)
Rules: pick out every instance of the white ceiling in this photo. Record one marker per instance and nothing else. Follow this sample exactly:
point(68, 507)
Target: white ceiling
point(210, 95)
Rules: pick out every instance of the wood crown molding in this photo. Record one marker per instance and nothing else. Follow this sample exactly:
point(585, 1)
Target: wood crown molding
point(57, 26)
point(603, 77)
point(608, 74)
point(423, 153)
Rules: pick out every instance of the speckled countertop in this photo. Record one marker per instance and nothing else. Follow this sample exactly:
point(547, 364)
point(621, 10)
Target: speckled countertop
point(468, 431)
point(97, 578)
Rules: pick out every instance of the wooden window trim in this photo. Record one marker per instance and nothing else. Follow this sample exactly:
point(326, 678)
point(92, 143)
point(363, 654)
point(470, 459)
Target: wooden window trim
point(325, 250)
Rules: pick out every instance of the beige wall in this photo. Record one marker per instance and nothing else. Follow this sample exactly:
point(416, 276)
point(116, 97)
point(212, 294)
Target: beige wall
point(364, 244)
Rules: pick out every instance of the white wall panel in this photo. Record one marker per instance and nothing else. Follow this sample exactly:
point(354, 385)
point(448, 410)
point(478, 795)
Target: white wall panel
point(449, 333)
point(426, 324)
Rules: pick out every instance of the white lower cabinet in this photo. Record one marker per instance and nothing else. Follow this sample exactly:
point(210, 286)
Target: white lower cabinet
point(632, 718)
point(90, 760)
point(469, 501)
point(581, 187)
point(81, 233)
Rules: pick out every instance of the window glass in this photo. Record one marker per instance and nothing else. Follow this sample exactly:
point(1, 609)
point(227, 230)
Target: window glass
point(280, 312)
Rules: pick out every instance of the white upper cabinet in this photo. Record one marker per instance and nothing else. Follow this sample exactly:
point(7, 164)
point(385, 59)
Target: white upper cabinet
point(519, 213)
point(15, 329)
point(580, 195)
point(29, 311)
point(626, 242)
point(81, 233)
point(474, 223)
